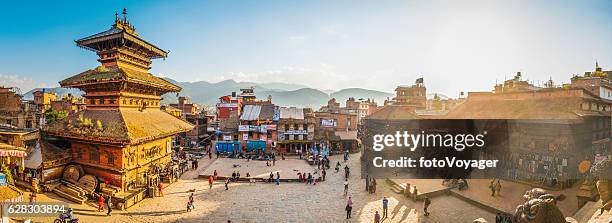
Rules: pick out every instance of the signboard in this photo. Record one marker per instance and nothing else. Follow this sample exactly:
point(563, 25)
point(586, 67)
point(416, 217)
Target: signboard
point(227, 105)
point(245, 136)
point(328, 122)
point(269, 127)
point(3, 180)
point(243, 128)
point(296, 132)
point(227, 138)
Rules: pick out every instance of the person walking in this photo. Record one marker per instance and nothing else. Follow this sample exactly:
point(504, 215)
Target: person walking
point(426, 205)
point(385, 204)
point(346, 187)
point(498, 188)
point(367, 184)
point(277, 178)
point(160, 186)
point(349, 208)
point(215, 175)
point(373, 190)
point(109, 205)
point(323, 173)
point(346, 171)
point(100, 203)
point(492, 187)
point(210, 182)
point(226, 183)
point(376, 217)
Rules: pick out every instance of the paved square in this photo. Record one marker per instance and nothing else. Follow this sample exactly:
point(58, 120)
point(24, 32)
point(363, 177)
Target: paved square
point(287, 168)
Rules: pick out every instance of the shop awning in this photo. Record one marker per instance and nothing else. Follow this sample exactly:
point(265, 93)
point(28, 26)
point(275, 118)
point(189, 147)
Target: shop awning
point(228, 146)
point(255, 145)
point(12, 151)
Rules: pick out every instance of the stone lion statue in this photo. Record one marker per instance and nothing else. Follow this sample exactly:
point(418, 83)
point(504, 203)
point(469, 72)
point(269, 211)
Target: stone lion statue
point(602, 171)
point(539, 207)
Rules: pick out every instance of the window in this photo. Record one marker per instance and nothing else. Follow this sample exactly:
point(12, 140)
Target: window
point(111, 101)
point(92, 101)
point(28, 124)
point(101, 101)
point(110, 158)
point(94, 155)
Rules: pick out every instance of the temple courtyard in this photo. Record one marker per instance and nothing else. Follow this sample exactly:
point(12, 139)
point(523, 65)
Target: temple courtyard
point(287, 202)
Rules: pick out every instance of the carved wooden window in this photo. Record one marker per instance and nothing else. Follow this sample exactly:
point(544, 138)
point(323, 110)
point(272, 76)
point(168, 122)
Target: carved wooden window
point(110, 158)
point(94, 155)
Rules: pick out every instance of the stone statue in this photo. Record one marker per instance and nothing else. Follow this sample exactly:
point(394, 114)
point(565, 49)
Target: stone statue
point(602, 171)
point(539, 207)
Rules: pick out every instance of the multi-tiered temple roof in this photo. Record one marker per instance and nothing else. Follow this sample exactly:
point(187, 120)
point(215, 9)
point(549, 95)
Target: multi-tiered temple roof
point(122, 97)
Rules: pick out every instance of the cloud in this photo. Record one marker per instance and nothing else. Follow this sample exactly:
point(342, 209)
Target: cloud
point(24, 84)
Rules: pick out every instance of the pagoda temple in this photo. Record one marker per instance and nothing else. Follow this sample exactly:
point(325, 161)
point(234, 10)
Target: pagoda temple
point(122, 138)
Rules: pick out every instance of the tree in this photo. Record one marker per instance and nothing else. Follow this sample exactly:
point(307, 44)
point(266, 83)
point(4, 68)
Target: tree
point(52, 115)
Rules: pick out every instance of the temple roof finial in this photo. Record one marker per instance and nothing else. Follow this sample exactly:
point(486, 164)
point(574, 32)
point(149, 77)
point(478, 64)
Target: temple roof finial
point(124, 15)
point(116, 17)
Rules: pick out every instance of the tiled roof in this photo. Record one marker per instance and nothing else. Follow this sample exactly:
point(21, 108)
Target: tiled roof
point(116, 73)
point(126, 126)
point(109, 32)
point(394, 112)
point(505, 107)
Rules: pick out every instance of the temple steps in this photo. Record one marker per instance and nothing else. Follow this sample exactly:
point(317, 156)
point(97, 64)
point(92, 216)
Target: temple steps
point(71, 193)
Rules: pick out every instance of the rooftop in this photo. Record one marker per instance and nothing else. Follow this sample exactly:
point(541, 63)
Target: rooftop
point(126, 126)
point(118, 74)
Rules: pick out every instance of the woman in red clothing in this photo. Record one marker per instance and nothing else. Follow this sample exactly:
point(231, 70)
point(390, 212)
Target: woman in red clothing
point(100, 203)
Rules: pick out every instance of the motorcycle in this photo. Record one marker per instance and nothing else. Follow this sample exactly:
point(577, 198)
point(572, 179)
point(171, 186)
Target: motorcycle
point(66, 218)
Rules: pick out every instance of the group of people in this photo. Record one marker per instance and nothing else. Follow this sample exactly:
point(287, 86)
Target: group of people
point(322, 162)
point(370, 185)
point(194, 164)
point(495, 187)
point(308, 179)
point(271, 179)
point(385, 206)
point(105, 200)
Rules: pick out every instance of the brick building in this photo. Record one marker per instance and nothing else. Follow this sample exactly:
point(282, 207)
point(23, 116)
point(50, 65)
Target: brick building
point(43, 99)
point(296, 128)
point(17, 112)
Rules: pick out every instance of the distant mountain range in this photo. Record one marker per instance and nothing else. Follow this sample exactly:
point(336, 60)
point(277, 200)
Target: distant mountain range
point(282, 94)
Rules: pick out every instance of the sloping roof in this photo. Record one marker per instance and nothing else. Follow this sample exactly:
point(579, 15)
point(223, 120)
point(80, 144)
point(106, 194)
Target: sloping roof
point(11, 130)
point(291, 113)
point(123, 36)
point(116, 73)
point(109, 32)
point(506, 107)
point(394, 112)
point(267, 112)
point(126, 126)
point(5, 146)
point(258, 112)
point(34, 158)
point(250, 112)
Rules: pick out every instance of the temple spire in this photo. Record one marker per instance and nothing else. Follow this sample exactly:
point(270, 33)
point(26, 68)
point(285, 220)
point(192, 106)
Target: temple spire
point(124, 15)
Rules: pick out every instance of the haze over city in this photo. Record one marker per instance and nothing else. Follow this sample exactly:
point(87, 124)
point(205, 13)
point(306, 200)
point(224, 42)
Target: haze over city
point(324, 45)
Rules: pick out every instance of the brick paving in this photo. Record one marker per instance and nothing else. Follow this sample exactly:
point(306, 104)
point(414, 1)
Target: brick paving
point(287, 168)
point(512, 195)
point(287, 202)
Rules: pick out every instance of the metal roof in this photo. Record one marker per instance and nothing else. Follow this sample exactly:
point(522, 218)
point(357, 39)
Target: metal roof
point(291, 113)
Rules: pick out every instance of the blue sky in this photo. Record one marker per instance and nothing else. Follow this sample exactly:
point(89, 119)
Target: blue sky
point(455, 45)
